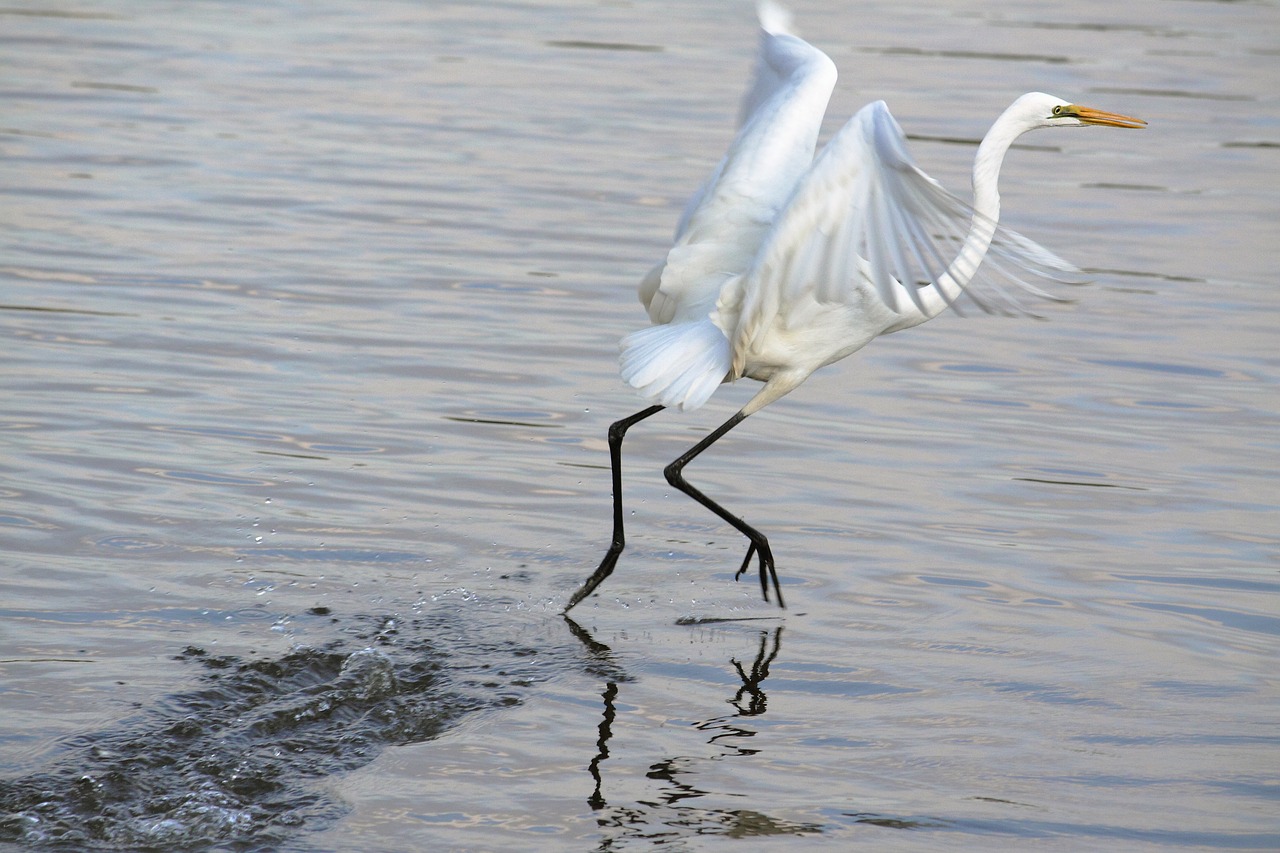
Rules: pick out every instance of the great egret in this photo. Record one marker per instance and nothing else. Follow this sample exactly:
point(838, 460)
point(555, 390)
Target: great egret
point(784, 263)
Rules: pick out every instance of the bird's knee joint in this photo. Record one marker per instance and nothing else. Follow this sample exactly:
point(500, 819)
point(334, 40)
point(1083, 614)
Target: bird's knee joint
point(672, 473)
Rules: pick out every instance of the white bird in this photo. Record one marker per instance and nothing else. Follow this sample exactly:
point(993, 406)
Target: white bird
point(784, 262)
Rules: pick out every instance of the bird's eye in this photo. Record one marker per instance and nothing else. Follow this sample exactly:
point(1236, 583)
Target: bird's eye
point(1058, 110)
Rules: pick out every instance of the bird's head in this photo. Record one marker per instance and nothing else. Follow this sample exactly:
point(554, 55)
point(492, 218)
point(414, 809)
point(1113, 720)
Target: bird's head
point(1040, 110)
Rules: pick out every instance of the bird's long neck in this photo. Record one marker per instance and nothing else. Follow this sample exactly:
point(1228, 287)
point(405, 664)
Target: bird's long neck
point(936, 297)
point(982, 227)
point(987, 162)
point(986, 172)
point(986, 199)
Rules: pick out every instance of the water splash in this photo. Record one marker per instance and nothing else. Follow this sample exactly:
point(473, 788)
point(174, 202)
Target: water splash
point(236, 761)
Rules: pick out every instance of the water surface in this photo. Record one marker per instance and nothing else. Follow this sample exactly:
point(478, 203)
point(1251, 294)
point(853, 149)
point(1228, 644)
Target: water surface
point(311, 319)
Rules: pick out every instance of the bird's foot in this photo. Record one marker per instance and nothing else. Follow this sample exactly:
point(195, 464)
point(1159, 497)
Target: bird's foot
point(742, 570)
point(768, 573)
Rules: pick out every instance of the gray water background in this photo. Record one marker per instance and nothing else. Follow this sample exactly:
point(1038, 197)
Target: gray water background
point(310, 317)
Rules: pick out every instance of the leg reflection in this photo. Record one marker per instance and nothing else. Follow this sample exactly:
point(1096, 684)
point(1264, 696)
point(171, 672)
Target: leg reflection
point(679, 808)
point(597, 800)
point(757, 702)
point(599, 661)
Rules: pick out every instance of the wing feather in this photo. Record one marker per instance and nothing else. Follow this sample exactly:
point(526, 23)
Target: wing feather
point(865, 220)
point(724, 222)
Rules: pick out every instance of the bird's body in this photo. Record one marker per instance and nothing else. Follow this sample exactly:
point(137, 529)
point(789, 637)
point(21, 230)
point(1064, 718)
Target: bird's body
point(784, 263)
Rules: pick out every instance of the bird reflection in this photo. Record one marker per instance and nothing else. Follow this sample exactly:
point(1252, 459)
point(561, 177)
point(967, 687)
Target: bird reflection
point(674, 806)
point(601, 662)
point(750, 699)
point(596, 800)
point(757, 702)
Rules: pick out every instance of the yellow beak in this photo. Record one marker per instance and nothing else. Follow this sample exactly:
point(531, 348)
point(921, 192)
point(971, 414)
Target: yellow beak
point(1089, 115)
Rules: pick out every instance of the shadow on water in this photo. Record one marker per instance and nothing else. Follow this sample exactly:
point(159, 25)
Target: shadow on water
point(668, 816)
point(672, 813)
point(240, 761)
point(237, 762)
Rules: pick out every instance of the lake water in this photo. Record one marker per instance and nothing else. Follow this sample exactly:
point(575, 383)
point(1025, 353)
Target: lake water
point(310, 316)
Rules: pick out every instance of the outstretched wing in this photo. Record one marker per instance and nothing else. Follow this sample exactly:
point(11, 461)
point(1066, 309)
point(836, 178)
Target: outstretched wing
point(866, 222)
point(725, 220)
point(775, 60)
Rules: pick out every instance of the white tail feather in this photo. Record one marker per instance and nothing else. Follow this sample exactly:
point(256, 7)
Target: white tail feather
point(677, 365)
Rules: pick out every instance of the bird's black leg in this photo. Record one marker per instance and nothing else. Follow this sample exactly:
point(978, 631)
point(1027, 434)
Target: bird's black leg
point(617, 431)
point(759, 544)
